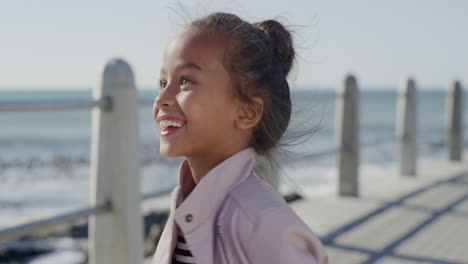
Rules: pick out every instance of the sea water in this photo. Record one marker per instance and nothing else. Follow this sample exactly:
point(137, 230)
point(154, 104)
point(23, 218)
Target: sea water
point(44, 155)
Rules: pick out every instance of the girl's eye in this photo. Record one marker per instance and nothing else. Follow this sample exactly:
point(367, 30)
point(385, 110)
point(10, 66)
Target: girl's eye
point(162, 84)
point(185, 81)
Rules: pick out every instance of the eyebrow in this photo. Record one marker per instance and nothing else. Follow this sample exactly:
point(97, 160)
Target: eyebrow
point(185, 65)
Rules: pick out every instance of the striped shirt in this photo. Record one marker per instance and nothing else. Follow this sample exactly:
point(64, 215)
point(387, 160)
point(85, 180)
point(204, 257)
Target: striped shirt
point(182, 254)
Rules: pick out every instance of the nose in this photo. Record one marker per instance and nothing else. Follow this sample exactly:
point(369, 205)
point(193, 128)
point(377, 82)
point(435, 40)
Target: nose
point(165, 98)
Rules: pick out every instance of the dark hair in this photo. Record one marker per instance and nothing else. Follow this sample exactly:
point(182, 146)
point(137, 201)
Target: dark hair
point(258, 59)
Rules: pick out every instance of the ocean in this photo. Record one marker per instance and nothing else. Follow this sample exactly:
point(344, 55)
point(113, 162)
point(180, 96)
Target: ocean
point(44, 156)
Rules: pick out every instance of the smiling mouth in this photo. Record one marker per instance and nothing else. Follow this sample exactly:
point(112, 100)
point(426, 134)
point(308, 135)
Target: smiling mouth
point(169, 126)
point(169, 130)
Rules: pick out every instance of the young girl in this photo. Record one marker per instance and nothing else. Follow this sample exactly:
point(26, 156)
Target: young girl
point(224, 97)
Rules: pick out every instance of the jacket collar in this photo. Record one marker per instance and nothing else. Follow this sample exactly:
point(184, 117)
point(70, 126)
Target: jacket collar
point(205, 198)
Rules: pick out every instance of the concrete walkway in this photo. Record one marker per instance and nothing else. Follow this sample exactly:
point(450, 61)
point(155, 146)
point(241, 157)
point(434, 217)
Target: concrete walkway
point(422, 219)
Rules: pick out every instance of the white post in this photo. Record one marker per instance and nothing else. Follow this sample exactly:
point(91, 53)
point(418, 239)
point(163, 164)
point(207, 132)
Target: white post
point(116, 237)
point(455, 121)
point(265, 170)
point(406, 127)
point(347, 136)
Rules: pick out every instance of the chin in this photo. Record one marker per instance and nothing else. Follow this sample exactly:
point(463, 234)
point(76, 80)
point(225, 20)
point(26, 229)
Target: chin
point(168, 152)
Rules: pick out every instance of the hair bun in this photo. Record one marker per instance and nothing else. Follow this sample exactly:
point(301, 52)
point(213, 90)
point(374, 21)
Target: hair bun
point(282, 42)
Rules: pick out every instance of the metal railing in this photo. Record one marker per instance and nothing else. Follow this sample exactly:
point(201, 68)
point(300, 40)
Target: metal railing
point(69, 217)
point(114, 217)
point(105, 103)
point(54, 105)
point(33, 226)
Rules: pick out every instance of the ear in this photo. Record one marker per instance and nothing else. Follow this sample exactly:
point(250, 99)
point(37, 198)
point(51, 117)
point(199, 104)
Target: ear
point(249, 114)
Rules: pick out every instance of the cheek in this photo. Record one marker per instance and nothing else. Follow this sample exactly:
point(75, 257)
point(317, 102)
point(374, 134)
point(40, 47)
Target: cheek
point(204, 109)
point(186, 102)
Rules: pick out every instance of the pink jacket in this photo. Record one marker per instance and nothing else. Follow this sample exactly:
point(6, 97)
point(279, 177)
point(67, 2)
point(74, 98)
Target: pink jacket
point(235, 217)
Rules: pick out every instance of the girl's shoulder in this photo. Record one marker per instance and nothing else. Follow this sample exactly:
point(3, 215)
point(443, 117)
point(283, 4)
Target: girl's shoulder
point(254, 214)
point(254, 197)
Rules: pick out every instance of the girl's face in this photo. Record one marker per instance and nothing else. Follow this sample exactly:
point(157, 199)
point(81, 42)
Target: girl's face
point(196, 106)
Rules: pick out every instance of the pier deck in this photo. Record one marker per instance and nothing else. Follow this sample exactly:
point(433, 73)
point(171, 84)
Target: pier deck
point(422, 219)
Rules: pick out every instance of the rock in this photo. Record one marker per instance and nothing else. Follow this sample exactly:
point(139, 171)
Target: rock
point(152, 239)
point(67, 256)
point(289, 198)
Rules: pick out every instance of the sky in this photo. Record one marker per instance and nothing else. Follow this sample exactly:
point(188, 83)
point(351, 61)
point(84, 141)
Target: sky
point(60, 44)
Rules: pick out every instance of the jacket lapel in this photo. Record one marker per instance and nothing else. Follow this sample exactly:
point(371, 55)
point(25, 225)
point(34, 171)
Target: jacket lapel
point(168, 239)
point(194, 208)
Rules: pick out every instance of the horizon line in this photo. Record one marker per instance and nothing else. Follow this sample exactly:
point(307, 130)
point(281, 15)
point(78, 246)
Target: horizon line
point(150, 88)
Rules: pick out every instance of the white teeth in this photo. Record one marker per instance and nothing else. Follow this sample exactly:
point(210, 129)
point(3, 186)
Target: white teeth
point(166, 123)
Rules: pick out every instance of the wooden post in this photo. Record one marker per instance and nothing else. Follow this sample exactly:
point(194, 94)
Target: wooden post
point(116, 237)
point(265, 170)
point(455, 121)
point(347, 136)
point(406, 127)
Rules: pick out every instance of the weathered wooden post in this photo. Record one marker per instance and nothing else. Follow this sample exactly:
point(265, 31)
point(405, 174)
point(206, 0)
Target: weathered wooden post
point(454, 118)
point(266, 171)
point(116, 237)
point(406, 127)
point(347, 136)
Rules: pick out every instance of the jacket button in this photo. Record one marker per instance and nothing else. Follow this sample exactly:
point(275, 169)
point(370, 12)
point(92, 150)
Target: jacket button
point(189, 218)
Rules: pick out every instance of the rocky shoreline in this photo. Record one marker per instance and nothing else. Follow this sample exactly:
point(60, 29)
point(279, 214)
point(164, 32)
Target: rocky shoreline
point(67, 161)
point(74, 241)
